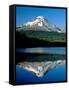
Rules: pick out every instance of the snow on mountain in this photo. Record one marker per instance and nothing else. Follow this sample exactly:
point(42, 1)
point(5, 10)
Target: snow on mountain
point(40, 23)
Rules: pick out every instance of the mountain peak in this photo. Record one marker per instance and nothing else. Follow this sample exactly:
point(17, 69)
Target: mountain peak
point(40, 17)
point(37, 22)
point(42, 24)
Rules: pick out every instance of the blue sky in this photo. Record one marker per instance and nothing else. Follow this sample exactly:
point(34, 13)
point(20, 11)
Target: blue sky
point(59, 50)
point(56, 16)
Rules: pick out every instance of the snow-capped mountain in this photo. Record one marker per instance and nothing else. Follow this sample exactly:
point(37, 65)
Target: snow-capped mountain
point(42, 24)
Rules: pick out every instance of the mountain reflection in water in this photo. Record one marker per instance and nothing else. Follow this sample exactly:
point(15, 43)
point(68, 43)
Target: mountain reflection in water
point(39, 65)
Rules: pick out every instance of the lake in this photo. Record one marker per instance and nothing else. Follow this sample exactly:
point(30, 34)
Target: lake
point(26, 77)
